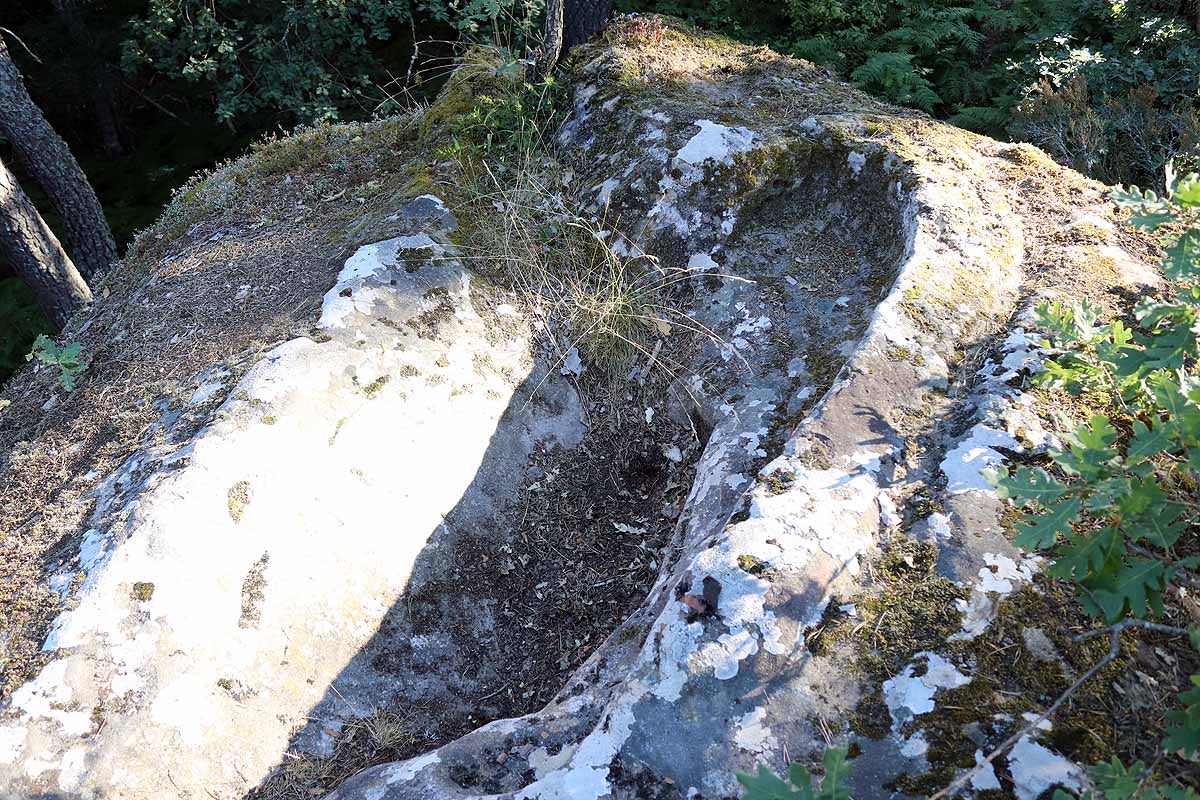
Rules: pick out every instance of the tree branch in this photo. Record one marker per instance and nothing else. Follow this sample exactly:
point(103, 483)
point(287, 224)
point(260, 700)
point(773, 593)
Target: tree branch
point(21, 42)
point(1114, 633)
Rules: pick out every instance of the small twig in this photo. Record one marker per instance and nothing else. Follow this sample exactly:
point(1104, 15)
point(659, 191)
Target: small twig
point(412, 61)
point(1114, 632)
point(1133, 623)
point(152, 101)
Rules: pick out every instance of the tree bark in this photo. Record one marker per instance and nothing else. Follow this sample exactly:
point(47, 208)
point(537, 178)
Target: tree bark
point(34, 252)
point(568, 23)
point(583, 19)
point(48, 161)
point(552, 37)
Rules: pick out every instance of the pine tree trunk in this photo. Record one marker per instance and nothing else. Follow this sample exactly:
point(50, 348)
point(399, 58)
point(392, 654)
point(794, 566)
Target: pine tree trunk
point(33, 251)
point(48, 160)
point(104, 107)
point(568, 23)
point(583, 19)
point(552, 37)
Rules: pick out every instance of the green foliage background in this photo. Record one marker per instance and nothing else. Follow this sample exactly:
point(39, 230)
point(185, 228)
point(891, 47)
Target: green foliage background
point(20, 323)
point(308, 61)
point(1105, 86)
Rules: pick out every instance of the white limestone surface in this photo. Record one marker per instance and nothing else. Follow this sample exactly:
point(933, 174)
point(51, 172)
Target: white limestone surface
point(229, 583)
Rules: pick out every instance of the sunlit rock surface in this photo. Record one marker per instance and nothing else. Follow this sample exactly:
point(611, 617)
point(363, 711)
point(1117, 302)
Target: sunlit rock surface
point(864, 274)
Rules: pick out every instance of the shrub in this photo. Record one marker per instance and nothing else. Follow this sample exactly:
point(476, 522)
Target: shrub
point(310, 61)
point(1118, 507)
point(1109, 88)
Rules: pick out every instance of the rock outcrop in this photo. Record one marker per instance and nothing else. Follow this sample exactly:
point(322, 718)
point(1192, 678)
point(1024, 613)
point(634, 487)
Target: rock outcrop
point(344, 523)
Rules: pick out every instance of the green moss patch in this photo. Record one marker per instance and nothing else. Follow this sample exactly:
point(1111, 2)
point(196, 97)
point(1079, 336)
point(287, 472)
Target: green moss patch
point(372, 389)
point(757, 567)
point(913, 610)
point(237, 499)
point(1009, 678)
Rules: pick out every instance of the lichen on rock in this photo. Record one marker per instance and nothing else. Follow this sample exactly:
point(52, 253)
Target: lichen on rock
point(433, 546)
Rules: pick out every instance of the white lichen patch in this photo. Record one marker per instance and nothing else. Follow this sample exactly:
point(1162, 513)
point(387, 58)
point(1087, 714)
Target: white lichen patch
point(1006, 417)
point(1036, 768)
point(352, 294)
point(969, 463)
point(909, 695)
point(939, 525)
point(716, 142)
point(915, 746)
point(814, 515)
point(209, 388)
point(405, 770)
point(1001, 576)
point(889, 515)
point(713, 145)
point(985, 779)
point(604, 191)
point(752, 734)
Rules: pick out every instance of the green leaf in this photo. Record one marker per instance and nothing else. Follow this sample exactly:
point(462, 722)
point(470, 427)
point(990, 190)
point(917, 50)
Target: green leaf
point(1187, 192)
point(1184, 733)
point(1108, 492)
point(1098, 434)
point(1043, 531)
point(799, 775)
point(766, 785)
point(1113, 779)
point(1029, 484)
point(1169, 396)
point(1147, 442)
point(835, 786)
point(1150, 219)
point(1159, 524)
point(1090, 449)
point(1181, 258)
point(1086, 315)
point(1094, 555)
point(1139, 584)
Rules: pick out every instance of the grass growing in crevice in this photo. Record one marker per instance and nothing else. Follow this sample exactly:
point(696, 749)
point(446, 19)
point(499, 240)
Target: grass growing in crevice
point(520, 226)
point(383, 735)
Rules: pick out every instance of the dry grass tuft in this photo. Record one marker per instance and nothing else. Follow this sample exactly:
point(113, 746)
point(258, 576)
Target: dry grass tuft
point(611, 307)
point(377, 738)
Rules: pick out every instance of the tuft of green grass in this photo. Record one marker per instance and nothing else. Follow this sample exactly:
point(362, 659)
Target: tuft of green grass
point(611, 307)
